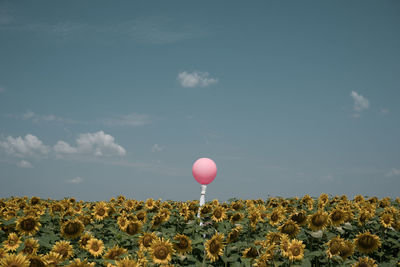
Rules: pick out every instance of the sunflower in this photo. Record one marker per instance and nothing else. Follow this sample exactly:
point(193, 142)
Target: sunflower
point(35, 200)
point(365, 262)
point(254, 216)
point(72, 229)
point(323, 199)
point(363, 217)
point(53, 258)
point(122, 221)
point(262, 261)
point(146, 239)
point(37, 260)
point(284, 245)
point(218, 214)
point(334, 246)
point(250, 253)
point(95, 247)
point(31, 246)
point(100, 211)
point(150, 204)
point(84, 239)
point(234, 234)
point(130, 204)
point(290, 228)
point(236, 205)
point(79, 263)
point(205, 209)
point(183, 244)
point(64, 248)
point(165, 214)
point(299, 217)
point(215, 247)
point(337, 216)
point(126, 262)
point(318, 220)
point(14, 260)
point(367, 242)
point(114, 253)
point(296, 250)
point(276, 216)
point(347, 249)
point(156, 221)
point(386, 219)
point(142, 216)
point(133, 227)
point(236, 217)
point(273, 238)
point(28, 225)
point(161, 251)
point(12, 242)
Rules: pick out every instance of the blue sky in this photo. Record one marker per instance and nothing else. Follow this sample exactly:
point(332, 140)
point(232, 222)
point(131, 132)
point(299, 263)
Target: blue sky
point(289, 98)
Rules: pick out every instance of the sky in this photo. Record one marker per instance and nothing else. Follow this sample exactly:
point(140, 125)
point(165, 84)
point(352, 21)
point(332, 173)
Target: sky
point(100, 99)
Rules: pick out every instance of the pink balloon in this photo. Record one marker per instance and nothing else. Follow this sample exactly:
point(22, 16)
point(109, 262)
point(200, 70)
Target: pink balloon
point(204, 170)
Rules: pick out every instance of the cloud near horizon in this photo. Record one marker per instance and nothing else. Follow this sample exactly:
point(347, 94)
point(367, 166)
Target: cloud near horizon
point(195, 79)
point(97, 144)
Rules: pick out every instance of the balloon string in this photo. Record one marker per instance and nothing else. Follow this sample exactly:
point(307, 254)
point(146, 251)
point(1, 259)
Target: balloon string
point(202, 200)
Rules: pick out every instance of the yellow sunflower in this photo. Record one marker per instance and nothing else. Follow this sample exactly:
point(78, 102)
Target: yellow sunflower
point(37, 260)
point(347, 249)
point(79, 263)
point(150, 204)
point(100, 211)
point(386, 219)
point(127, 262)
point(318, 221)
point(53, 258)
point(367, 242)
point(254, 217)
point(146, 239)
point(95, 247)
point(337, 216)
point(133, 227)
point(290, 228)
point(72, 229)
point(236, 217)
point(296, 250)
point(334, 246)
point(250, 253)
point(263, 260)
point(299, 217)
point(273, 238)
point(142, 216)
point(165, 214)
point(84, 239)
point(276, 216)
point(31, 246)
point(157, 220)
point(218, 214)
point(183, 244)
point(115, 253)
point(237, 205)
point(363, 217)
point(12, 242)
point(365, 262)
point(161, 251)
point(28, 225)
point(234, 234)
point(14, 260)
point(215, 247)
point(64, 248)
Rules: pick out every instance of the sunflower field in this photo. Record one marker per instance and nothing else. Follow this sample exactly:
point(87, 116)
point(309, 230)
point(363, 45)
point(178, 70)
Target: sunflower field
point(327, 231)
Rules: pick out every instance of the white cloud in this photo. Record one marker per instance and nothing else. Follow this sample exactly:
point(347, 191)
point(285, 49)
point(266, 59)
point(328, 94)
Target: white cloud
point(64, 148)
point(98, 144)
point(30, 115)
point(133, 119)
point(24, 164)
point(157, 148)
point(195, 79)
point(22, 147)
point(393, 172)
point(76, 180)
point(360, 102)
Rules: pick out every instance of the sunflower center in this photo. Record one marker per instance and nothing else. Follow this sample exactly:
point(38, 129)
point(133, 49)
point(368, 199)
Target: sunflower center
point(28, 224)
point(63, 252)
point(217, 214)
point(318, 220)
point(28, 250)
point(147, 241)
point(236, 217)
point(214, 246)
point(289, 229)
point(274, 217)
point(132, 228)
point(295, 251)
point(101, 211)
point(36, 262)
point(386, 219)
point(95, 246)
point(183, 243)
point(337, 216)
point(367, 241)
point(335, 247)
point(252, 253)
point(140, 216)
point(72, 228)
point(161, 252)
